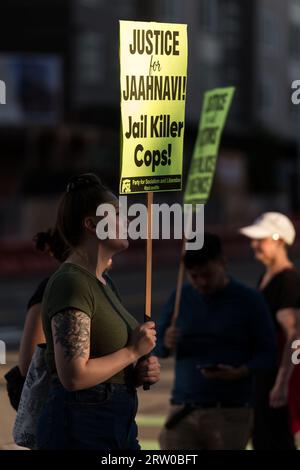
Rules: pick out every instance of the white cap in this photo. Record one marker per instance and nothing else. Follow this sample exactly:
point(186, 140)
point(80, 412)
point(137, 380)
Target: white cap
point(271, 224)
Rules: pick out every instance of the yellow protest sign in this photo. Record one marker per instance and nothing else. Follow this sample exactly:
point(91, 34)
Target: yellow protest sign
point(153, 68)
point(213, 117)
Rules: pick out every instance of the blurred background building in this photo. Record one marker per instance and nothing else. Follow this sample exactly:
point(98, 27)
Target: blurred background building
point(59, 59)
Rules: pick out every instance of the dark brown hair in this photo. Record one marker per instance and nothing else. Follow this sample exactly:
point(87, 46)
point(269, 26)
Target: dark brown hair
point(211, 251)
point(83, 195)
point(51, 241)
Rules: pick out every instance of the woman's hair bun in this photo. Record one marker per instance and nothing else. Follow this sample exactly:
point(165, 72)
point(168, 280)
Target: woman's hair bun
point(84, 181)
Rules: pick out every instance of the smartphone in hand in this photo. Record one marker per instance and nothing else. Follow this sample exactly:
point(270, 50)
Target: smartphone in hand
point(209, 367)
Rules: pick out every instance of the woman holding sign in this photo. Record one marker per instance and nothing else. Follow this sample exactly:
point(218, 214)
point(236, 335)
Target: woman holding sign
point(93, 343)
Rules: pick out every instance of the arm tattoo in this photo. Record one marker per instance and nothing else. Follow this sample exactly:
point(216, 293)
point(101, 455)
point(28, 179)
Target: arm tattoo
point(72, 332)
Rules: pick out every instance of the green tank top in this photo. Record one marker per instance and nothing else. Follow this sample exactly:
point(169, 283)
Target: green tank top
point(72, 286)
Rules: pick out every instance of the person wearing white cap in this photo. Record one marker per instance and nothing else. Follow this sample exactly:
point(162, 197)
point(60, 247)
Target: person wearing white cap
point(270, 235)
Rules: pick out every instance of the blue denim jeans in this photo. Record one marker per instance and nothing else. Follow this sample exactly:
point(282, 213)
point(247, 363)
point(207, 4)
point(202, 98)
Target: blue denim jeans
point(98, 418)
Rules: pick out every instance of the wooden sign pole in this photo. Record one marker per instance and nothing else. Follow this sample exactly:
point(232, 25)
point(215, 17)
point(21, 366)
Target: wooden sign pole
point(181, 270)
point(148, 296)
point(180, 279)
point(149, 258)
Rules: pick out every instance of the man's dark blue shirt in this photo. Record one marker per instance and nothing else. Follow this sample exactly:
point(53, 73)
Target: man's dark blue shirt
point(231, 327)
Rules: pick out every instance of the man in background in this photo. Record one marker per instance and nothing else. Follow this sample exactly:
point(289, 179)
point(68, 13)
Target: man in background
point(222, 335)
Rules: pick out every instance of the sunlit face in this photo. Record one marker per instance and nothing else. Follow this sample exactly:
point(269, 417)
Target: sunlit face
point(121, 228)
point(117, 227)
point(266, 249)
point(209, 278)
point(111, 226)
